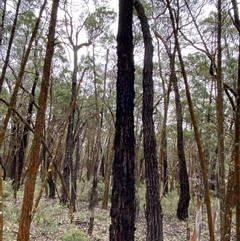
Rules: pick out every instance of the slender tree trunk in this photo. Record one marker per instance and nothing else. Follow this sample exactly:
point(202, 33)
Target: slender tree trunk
point(99, 157)
point(220, 119)
point(123, 192)
point(153, 205)
point(163, 140)
point(229, 201)
point(68, 159)
point(108, 166)
point(165, 168)
point(184, 198)
point(195, 126)
point(70, 145)
point(27, 204)
point(237, 128)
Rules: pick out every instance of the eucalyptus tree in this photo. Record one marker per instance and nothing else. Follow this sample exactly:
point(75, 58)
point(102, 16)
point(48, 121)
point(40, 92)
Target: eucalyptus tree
point(25, 218)
point(153, 205)
point(213, 32)
point(123, 191)
point(170, 48)
point(176, 25)
point(72, 34)
point(98, 30)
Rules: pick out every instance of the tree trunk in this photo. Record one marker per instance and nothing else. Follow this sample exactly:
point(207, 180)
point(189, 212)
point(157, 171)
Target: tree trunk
point(99, 156)
point(165, 168)
point(107, 177)
point(26, 217)
point(237, 127)
point(220, 118)
point(123, 192)
point(70, 144)
point(184, 198)
point(68, 158)
point(195, 126)
point(153, 206)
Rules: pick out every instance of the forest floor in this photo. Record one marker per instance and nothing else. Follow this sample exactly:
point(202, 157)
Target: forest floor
point(52, 220)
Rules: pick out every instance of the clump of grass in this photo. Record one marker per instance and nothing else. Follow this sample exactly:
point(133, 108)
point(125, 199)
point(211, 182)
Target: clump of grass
point(7, 188)
point(74, 235)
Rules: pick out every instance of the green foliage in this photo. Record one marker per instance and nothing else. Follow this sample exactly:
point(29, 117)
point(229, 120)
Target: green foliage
point(74, 235)
point(7, 188)
point(99, 21)
point(100, 189)
point(43, 218)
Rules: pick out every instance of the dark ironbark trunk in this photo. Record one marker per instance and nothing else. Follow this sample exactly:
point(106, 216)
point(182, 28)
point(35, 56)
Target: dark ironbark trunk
point(153, 205)
point(237, 127)
point(123, 193)
point(184, 198)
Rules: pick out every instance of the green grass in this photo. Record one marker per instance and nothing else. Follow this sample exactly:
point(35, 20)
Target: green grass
point(74, 235)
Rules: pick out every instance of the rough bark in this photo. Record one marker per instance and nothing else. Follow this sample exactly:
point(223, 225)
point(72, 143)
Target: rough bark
point(237, 128)
point(153, 205)
point(220, 118)
point(27, 204)
point(123, 192)
point(184, 198)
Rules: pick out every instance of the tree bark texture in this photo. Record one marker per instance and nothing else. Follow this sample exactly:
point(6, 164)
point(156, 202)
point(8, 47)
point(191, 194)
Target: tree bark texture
point(220, 118)
point(153, 205)
point(237, 128)
point(123, 192)
point(184, 198)
point(27, 204)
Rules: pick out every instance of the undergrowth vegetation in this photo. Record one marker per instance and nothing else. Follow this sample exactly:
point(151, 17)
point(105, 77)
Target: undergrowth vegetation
point(52, 219)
